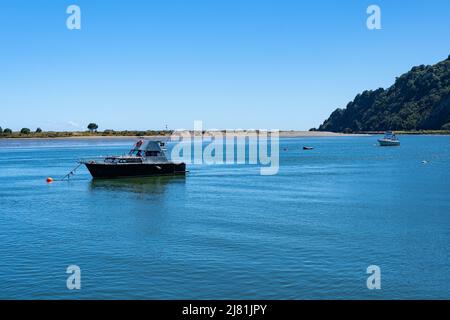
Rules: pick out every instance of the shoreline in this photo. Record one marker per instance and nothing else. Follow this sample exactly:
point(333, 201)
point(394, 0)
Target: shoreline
point(282, 134)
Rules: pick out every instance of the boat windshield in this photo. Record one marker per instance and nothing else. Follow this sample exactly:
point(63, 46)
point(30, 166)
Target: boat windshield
point(148, 149)
point(390, 136)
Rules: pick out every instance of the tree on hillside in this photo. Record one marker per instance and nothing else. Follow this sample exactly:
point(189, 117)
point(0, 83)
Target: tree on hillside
point(446, 126)
point(7, 131)
point(25, 131)
point(1, 130)
point(92, 127)
point(38, 130)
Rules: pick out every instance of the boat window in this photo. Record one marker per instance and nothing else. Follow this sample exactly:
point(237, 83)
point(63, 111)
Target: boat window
point(152, 153)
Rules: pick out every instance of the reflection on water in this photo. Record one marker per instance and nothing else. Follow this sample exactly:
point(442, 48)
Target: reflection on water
point(142, 185)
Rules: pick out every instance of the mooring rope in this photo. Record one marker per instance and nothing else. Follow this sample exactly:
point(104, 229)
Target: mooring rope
point(72, 172)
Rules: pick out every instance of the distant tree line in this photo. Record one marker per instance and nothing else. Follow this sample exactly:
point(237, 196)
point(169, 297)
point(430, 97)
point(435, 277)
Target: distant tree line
point(418, 100)
point(92, 130)
point(7, 131)
point(92, 127)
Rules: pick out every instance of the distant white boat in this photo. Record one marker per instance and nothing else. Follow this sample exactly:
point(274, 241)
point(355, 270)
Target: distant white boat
point(389, 140)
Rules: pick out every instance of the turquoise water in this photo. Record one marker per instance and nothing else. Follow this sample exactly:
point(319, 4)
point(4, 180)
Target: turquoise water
point(225, 232)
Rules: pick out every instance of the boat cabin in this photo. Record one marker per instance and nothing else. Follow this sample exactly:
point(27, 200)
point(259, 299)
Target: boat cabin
point(142, 152)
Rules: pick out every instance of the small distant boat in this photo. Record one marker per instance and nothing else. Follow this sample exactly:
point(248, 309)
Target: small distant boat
point(146, 158)
point(389, 140)
point(308, 148)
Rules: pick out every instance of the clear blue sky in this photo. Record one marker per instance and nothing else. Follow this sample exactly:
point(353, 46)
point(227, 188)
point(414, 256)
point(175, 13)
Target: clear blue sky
point(282, 64)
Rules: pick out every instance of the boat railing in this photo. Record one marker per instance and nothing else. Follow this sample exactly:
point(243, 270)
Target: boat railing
point(110, 159)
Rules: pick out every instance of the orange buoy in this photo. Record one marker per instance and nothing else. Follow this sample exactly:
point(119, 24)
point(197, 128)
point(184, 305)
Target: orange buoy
point(49, 180)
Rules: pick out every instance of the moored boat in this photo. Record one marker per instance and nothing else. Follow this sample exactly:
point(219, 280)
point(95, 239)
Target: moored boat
point(147, 158)
point(389, 140)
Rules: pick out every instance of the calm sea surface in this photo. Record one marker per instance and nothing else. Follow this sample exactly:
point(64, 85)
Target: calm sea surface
point(225, 232)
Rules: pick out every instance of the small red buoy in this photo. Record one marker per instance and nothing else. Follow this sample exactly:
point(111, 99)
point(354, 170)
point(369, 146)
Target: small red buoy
point(49, 180)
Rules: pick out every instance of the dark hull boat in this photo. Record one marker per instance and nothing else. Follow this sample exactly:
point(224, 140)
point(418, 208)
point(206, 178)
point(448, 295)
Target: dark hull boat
point(144, 160)
point(102, 170)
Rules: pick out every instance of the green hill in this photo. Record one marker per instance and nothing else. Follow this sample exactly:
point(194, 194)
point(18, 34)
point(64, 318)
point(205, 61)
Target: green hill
point(418, 100)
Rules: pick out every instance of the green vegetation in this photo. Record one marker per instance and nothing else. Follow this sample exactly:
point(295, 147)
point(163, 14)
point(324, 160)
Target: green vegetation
point(418, 100)
point(92, 132)
point(39, 133)
point(92, 127)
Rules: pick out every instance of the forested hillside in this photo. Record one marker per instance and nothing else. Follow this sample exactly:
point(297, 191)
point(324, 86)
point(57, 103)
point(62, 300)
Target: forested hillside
point(418, 100)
